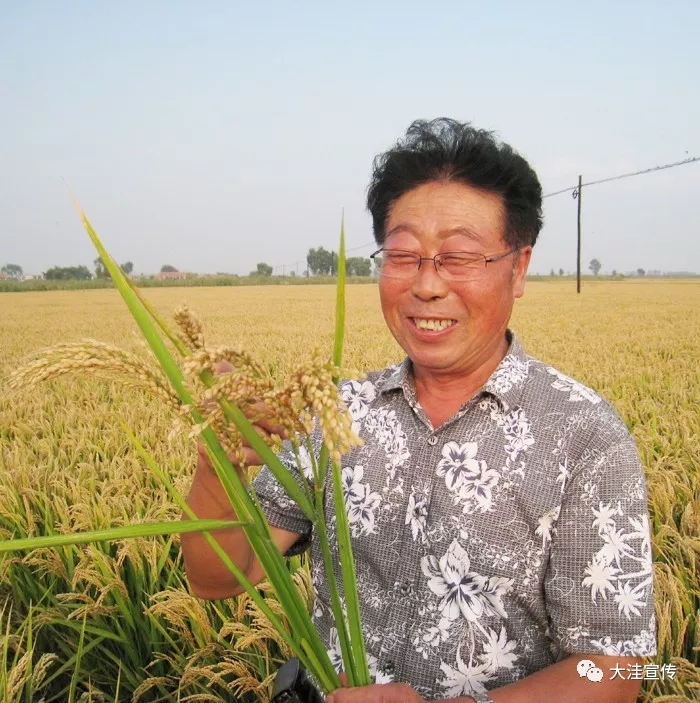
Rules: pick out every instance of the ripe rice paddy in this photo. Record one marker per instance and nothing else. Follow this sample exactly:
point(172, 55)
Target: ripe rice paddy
point(116, 622)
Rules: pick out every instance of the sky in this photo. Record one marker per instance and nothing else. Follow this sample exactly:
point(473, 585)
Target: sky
point(214, 135)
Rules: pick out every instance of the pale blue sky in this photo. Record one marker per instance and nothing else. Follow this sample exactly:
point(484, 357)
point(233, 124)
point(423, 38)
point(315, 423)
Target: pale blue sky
point(213, 135)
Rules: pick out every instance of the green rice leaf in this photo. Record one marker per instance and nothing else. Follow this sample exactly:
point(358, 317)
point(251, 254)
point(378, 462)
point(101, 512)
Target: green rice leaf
point(145, 529)
point(254, 523)
point(230, 479)
point(355, 658)
point(347, 563)
point(250, 588)
point(340, 300)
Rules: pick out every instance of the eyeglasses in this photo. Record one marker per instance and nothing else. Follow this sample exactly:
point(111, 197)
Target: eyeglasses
point(451, 265)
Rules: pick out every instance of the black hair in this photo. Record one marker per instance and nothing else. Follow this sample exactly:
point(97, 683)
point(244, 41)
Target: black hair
point(446, 150)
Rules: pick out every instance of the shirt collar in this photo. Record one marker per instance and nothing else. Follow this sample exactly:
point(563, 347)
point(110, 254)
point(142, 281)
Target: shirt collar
point(505, 383)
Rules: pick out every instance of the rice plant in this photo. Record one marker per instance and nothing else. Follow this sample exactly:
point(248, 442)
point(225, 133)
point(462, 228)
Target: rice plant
point(223, 416)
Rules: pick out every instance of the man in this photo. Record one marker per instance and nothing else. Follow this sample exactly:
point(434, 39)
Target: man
point(498, 507)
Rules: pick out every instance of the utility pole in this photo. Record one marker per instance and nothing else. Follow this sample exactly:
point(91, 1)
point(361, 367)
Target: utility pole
point(577, 195)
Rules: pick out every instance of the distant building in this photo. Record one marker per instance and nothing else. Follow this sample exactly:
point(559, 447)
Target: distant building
point(170, 275)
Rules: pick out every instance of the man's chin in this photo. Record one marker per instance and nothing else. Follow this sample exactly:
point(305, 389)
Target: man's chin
point(432, 361)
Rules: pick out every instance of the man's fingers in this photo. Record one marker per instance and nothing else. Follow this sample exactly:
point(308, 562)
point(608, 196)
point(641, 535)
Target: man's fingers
point(263, 417)
point(384, 693)
point(222, 367)
point(354, 695)
point(271, 428)
point(250, 456)
point(259, 414)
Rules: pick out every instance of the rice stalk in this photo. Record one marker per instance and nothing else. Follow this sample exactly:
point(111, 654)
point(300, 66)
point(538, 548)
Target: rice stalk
point(64, 463)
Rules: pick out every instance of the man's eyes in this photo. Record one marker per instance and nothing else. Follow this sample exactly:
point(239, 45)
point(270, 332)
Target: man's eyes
point(450, 259)
point(460, 258)
point(402, 257)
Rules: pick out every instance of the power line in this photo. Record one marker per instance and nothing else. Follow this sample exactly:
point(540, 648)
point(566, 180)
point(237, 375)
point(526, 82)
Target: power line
point(624, 175)
point(570, 189)
point(362, 246)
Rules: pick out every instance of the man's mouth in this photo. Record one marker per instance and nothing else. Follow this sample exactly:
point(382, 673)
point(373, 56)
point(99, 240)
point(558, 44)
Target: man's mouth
point(432, 323)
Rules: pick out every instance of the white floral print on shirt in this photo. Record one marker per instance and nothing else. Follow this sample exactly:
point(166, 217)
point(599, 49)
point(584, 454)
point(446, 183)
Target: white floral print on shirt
point(361, 502)
point(462, 590)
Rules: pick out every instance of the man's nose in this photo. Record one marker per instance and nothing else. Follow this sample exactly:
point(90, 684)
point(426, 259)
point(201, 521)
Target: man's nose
point(428, 283)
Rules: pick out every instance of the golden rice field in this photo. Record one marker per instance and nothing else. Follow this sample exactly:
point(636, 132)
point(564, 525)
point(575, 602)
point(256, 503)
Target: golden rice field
point(117, 623)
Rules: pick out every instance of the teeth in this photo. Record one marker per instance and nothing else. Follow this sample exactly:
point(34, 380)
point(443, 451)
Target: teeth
point(430, 324)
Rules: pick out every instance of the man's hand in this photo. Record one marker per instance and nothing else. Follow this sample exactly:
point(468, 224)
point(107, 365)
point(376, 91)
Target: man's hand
point(377, 693)
point(263, 425)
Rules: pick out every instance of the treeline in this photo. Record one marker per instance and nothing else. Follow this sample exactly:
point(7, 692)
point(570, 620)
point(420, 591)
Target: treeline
point(322, 262)
point(82, 273)
point(39, 284)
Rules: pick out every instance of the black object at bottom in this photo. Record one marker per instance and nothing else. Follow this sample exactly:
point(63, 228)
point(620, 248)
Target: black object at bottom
point(293, 685)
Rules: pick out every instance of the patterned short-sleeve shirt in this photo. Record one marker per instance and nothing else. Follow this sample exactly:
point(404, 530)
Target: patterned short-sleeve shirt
point(492, 546)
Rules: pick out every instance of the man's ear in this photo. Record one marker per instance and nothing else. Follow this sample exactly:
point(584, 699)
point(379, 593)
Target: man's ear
point(522, 261)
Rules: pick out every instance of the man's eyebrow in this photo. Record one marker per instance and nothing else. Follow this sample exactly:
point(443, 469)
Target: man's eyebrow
point(465, 231)
point(400, 228)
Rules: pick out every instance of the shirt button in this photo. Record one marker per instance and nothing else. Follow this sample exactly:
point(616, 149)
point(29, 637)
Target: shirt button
point(405, 588)
point(432, 441)
point(389, 668)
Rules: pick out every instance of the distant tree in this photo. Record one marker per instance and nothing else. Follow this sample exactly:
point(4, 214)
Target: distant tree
point(292, 273)
point(322, 262)
point(364, 267)
point(263, 270)
point(595, 266)
point(315, 260)
point(312, 262)
point(640, 272)
point(358, 266)
point(167, 268)
point(100, 270)
point(561, 272)
point(551, 273)
point(67, 273)
point(614, 272)
point(12, 271)
point(127, 267)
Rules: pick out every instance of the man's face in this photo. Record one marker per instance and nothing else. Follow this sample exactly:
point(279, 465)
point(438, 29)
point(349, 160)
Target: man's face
point(442, 217)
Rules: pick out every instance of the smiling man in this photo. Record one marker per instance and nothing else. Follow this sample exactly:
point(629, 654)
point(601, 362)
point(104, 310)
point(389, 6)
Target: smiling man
point(498, 507)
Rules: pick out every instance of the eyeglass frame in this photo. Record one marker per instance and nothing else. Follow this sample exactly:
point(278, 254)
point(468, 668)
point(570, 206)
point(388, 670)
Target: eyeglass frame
point(434, 259)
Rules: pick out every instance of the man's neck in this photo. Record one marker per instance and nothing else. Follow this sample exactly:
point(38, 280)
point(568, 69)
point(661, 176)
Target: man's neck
point(455, 389)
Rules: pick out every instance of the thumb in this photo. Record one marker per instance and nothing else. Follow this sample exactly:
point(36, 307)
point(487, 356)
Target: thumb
point(344, 681)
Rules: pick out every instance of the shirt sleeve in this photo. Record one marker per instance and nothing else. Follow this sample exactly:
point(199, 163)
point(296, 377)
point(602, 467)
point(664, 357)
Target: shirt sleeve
point(599, 580)
point(280, 510)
